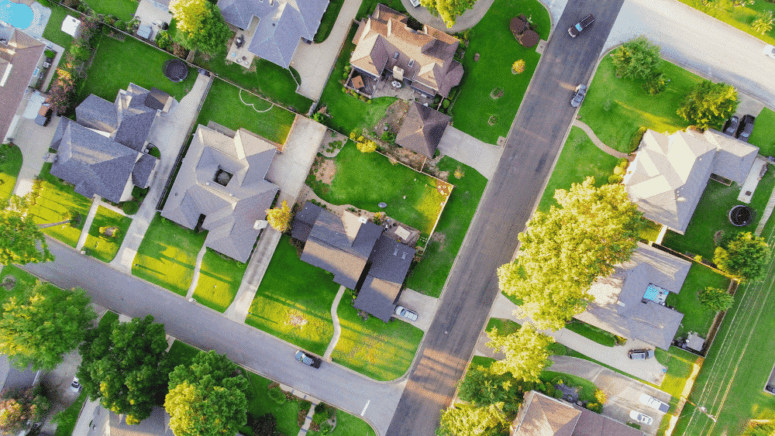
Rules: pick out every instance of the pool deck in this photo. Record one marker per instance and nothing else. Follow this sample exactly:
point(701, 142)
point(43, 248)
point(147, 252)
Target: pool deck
point(40, 17)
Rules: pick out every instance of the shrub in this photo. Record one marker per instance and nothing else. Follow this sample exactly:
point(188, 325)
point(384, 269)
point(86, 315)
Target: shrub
point(326, 428)
point(265, 425)
point(445, 103)
point(388, 136)
point(715, 300)
point(366, 146)
point(558, 394)
point(636, 59)
point(613, 179)
point(636, 138)
point(518, 67)
point(550, 389)
point(130, 207)
point(277, 395)
point(763, 22)
point(120, 25)
point(600, 396)
point(50, 53)
point(708, 104)
point(595, 407)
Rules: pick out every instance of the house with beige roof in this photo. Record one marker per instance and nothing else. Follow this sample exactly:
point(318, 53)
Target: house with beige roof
point(20, 58)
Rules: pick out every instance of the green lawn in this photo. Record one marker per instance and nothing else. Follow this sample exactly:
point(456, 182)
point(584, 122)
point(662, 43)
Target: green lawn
point(736, 16)
point(219, 280)
point(121, 9)
point(504, 326)
point(366, 179)
point(224, 106)
point(382, 351)
point(763, 135)
point(167, 255)
point(710, 216)
point(67, 418)
point(367, 7)
point(591, 332)
point(586, 388)
point(348, 425)
point(24, 280)
point(294, 301)
point(651, 231)
point(580, 158)
point(616, 108)
point(57, 201)
point(431, 273)
point(53, 31)
point(679, 365)
point(181, 353)
point(497, 48)
point(328, 20)
point(696, 317)
point(103, 247)
point(118, 63)
point(10, 165)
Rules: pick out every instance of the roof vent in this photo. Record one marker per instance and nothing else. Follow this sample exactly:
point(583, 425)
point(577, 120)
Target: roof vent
point(395, 251)
point(395, 55)
point(403, 255)
point(411, 62)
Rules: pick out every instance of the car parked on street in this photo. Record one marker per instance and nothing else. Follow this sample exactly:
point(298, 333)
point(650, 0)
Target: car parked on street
point(730, 126)
point(746, 128)
point(769, 51)
point(403, 312)
point(579, 27)
point(641, 418)
point(654, 403)
point(640, 354)
point(578, 97)
point(308, 359)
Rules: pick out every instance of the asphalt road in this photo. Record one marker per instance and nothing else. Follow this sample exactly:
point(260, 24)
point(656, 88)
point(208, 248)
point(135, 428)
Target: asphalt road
point(534, 142)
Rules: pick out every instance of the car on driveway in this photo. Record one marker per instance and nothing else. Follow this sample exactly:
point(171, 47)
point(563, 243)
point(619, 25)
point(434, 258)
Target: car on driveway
point(579, 27)
point(308, 359)
point(641, 418)
point(578, 97)
point(654, 403)
point(769, 51)
point(730, 126)
point(403, 312)
point(75, 385)
point(746, 128)
point(415, 3)
point(640, 354)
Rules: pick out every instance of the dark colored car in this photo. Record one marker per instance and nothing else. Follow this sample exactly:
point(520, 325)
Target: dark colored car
point(579, 27)
point(730, 127)
point(640, 354)
point(746, 128)
point(578, 97)
point(308, 359)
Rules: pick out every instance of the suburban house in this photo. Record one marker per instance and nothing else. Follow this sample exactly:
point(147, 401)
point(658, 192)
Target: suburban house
point(105, 151)
point(273, 29)
point(670, 173)
point(540, 415)
point(110, 424)
point(631, 302)
point(386, 48)
point(359, 255)
point(12, 378)
point(221, 188)
point(422, 129)
point(20, 59)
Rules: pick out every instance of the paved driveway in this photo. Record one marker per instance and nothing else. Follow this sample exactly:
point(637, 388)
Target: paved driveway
point(424, 305)
point(465, 148)
point(289, 169)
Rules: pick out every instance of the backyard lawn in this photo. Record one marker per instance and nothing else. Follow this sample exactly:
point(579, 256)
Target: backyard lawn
point(10, 165)
point(737, 16)
point(53, 31)
point(696, 317)
point(328, 20)
point(167, 255)
point(219, 280)
point(616, 108)
point(294, 301)
point(121, 9)
point(366, 179)
point(382, 351)
point(431, 273)
point(491, 74)
point(58, 202)
point(226, 105)
point(102, 247)
point(763, 135)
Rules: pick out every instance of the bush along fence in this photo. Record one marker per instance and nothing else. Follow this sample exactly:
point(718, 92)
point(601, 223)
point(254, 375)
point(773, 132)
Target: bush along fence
point(72, 70)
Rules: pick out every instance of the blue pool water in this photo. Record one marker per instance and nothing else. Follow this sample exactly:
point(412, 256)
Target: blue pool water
point(16, 14)
point(655, 294)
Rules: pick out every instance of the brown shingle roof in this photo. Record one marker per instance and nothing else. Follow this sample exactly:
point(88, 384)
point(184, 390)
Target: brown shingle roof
point(18, 59)
point(422, 129)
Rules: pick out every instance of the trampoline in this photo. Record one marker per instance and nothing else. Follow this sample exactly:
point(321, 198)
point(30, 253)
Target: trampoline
point(741, 215)
point(176, 70)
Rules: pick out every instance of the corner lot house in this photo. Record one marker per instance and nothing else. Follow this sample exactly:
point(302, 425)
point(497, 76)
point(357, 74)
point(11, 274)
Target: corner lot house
point(20, 57)
point(631, 302)
point(422, 129)
point(105, 151)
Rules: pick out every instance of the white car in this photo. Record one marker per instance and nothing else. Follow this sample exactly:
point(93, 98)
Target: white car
point(415, 3)
point(769, 51)
point(641, 418)
point(403, 312)
point(654, 403)
point(75, 385)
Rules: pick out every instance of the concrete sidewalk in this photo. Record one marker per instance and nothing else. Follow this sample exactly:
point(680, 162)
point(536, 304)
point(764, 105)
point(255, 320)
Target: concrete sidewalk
point(598, 143)
point(465, 148)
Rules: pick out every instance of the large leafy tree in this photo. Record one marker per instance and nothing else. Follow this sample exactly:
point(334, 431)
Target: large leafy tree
point(482, 387)
point(564, 250)
point(468, 420)
point(448, 10)
point(715, 299)
point(200, 25)
point(207, 397)
point(745, 257)
point(20, 407)
point(527, 352)
point(41, 325)
point(21, 240)
point(636, 59)
point(708, 104)
point(125, 366)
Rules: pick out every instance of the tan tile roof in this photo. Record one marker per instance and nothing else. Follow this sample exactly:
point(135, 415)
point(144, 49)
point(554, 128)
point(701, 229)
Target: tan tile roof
point(21, 55)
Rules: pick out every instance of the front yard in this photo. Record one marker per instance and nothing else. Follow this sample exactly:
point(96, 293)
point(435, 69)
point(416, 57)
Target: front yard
point(10, 165)
point(696, 317)
point(763, 135)
point(219, 280)
point(740, 17)
point(104, 247)
point(59, 202)
point(13, 282)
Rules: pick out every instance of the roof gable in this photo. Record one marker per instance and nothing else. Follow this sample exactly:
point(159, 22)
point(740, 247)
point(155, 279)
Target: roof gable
point(19, 59)
point(97, 113)
point(422, 129)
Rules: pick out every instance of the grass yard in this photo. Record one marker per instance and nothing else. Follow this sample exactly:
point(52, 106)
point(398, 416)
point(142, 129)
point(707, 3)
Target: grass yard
point(580, 158)
point(24, 280)
point(294, 301)
point(497, 48)
point(586, 388)
point(591, 332)
point(167, 255)
point(431, 273)
point(56, 203)
point(763, 135)
point(121, 9)
point(117, 63)
point(219, 280)
point(504, 326)
point(382, 351)
point(181, 353)
point(679, 365)
point(348, 425)
point(328, 20)
point(651, 231)
point(66, 419)
point(53, 31)
point(737, 16)
point(367, 7)
point(366, 179)
point(10, 165)
point(616, 108)
point(710, 216)
point(224, 105)
point(102, 247)
point(696, 317)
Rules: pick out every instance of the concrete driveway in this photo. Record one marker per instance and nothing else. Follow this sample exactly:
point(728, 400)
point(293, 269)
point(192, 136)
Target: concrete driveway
point(465, 148)
point(424, 305)
point(468, 20)
point(289, 169)
point(33, 141)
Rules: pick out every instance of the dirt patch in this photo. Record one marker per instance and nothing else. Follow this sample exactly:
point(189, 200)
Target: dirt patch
point(394, 117)
point(399, 154)
point(493, 120)
point(296, 320)
point(8, 283)
point(496, 93)
point(325, 171)
point(440, 238)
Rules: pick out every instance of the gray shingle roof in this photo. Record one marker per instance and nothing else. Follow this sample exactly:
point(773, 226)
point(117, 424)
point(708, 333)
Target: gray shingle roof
point(156, 99)
point(155, 425)
point(134, 129)
point(97, 113)
point(304, 220)
point(142, 171)
point(733, 159)
point(390, 262)
point(422, 129)
point(59, 132)
point(22, 55)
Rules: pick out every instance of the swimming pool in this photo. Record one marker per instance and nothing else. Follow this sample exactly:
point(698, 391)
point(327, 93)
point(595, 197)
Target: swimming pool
point(655, 294)
point(15, 14)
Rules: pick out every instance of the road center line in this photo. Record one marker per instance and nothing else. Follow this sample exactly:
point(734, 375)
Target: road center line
point(365, 407)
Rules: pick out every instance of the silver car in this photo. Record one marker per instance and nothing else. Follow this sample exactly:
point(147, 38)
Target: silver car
point(654, 403)
point(578, 97)
point(403, 312)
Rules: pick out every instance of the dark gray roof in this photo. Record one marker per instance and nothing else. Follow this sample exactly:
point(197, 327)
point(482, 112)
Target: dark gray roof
point(390, 262)
point(60, 131)
point(378, 297)
point(422, 129)
point(155, 425)
point(20, 379)
point(304, 220)
point(134, 128)
point(156, 99)
point(143, 169)
point(97, 113)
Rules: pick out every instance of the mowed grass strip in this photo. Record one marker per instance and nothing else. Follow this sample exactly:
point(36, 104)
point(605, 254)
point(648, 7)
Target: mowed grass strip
point(696, 317)
point(121, 9)
point(379, 350)
point(167, 255)
point(219, 280)
point(58, 202)
point(103, 247)
point(294, 301)
point(22, 280)
point(763, 135)
point(348, 425)
point(10, 165)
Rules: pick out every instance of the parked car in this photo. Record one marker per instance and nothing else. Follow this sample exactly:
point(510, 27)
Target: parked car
point(308, 359)
point(75, 385)
point(746, 128)
point(641, 418)
point(403, 312)
point(769, 51)
point(654, 403)
point(640, 354)
point(579, 27)
point(415, 3)
point(578, 97)
point(770, 389)
point(730, 126)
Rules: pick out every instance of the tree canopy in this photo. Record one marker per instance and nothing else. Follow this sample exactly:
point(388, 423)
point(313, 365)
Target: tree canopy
point(41, 325)
point(564, 250)
point(715, 300)
point(709, 104)
point(448, 10)
point(200, 25)
point(207, 398)
point(20, 236)
point(467, 420)
point(19, 407)
point(280, 217)
point(125, 366)
point(636, 59)
point(527, 352)
point(745, 257)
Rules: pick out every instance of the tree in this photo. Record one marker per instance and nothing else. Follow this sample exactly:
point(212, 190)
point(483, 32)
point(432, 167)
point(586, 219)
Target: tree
point(763, 22)
point(20, 407)
point(449, 10)
point(207, 398)
point(41, 325)
point(482, 387)
point(20, 237)
point(563, 251)
point(708, 104)
point(636, 59)
point(265, 425)
point(200, 25)
point(527, 352)
point(760, 429)
point(745, 257)
point(280, 217)
point(715, 300)
point(125, 366)
point(468, 420)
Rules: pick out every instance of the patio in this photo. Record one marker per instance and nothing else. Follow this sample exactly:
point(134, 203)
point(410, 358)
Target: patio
point(238, 48)
point(152, 17)
point(385, 87)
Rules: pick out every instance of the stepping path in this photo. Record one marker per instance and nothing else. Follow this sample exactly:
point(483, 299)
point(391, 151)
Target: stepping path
point(598, 142)
point(197, 268)
point(337, 327)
